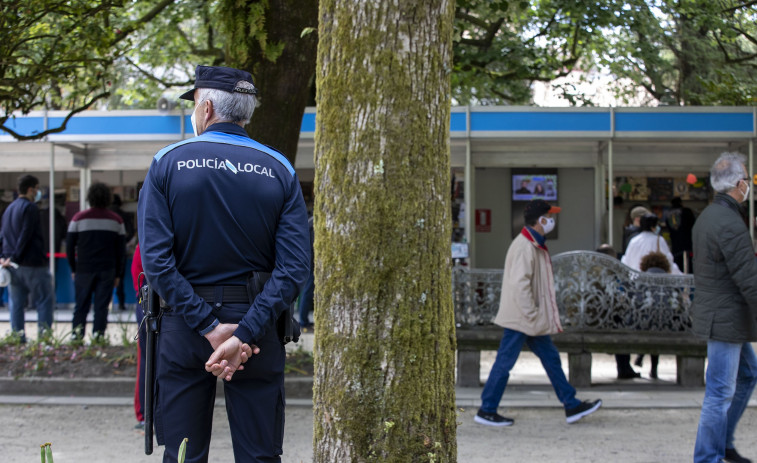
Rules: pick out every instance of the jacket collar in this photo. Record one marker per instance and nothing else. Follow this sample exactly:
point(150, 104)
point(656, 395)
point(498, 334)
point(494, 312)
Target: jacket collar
point(533, 236)
point(730, 203)
point(227, 127)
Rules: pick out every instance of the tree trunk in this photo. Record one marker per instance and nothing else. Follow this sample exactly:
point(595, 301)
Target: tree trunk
point(284, 85)
point(385, 333)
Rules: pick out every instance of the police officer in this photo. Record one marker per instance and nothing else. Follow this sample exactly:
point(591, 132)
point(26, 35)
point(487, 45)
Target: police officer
point(216, 212)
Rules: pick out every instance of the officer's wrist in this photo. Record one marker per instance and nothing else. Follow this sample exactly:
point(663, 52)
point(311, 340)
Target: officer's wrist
point(209, 328)
point(244, 334)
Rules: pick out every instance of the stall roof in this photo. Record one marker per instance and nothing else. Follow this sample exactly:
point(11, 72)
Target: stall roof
point(497, 136)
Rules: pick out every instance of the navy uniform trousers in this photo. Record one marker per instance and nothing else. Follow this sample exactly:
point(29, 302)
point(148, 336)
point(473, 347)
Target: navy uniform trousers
point(185, 393)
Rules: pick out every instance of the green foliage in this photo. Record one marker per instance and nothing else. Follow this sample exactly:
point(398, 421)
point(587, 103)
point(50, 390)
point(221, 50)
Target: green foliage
point(46, 452)
point(70, 55)
point(163, 53)
point(54, 54)
point(692, 52)
point(242, 22)
point(182, 450)
point(502, 47)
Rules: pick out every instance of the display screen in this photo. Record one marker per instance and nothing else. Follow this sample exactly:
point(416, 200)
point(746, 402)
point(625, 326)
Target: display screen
point(534, 186)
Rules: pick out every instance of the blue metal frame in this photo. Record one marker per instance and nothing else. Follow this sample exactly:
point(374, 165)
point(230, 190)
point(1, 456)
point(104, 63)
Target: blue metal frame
point(485, 122)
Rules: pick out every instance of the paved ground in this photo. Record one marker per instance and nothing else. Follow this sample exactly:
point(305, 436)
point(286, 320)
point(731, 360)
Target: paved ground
point(642, 420)
point(104, 434)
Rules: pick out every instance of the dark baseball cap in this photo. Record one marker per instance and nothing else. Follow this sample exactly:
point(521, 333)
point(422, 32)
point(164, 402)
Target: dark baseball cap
point(537, 208)
point(220, 78)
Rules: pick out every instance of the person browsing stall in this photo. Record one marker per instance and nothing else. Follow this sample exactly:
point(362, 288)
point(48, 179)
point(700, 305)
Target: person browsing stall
point(648, 240)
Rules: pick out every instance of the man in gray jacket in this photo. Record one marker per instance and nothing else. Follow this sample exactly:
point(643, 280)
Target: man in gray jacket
point(724, 310)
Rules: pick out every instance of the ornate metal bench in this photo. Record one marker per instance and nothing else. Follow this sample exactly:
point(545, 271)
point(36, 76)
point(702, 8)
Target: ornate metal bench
point(604, 307)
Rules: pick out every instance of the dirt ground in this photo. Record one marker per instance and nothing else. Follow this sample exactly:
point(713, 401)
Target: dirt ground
point(67, 361)
point(106, 434)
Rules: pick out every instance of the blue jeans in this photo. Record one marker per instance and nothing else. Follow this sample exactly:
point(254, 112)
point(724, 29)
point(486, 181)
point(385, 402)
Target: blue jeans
point(306, 301)
point(37, 282)
point(85, 285)
point(507, 354)
point(731, 376)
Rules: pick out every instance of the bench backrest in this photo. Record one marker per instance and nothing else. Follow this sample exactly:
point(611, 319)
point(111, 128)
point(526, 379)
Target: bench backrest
point(595, 292)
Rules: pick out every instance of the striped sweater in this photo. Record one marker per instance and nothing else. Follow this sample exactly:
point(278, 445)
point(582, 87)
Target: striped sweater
point(95, 242)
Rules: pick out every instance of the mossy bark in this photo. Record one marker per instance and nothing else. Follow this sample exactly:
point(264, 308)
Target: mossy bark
point(385, 333)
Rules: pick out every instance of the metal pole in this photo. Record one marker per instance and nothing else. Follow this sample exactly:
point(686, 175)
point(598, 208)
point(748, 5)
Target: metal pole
point(610, 207)
point(599, 201)
point(469, 212)
point(751, 190)
point(610, 178)
point(51, 205)
point(85, 178)
point(182, 124)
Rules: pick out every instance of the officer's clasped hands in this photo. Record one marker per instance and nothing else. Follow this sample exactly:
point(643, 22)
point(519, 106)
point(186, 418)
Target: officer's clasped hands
point(229, 357)
point(229, 351)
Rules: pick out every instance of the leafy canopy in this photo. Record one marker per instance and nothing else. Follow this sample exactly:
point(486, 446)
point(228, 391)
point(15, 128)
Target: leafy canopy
point(54, 54)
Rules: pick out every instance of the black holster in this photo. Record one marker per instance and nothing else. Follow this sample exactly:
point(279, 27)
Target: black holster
point(286, 326)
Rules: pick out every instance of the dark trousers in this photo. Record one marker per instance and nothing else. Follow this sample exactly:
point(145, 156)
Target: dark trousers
point(623, 363)
point(120, 291)
point(92, 288)
point(185, 393)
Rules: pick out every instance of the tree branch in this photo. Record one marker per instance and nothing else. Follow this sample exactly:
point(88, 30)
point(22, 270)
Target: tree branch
point(59, 129)
point(475, 20)
point(155, 78)
point(739, 7)
point(134, 25)
point(490, 28)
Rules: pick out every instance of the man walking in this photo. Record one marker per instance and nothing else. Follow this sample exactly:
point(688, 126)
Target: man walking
point(528, 312)
point(725, 308)
point(224, 240)
point(23, 252)
point(96, 251)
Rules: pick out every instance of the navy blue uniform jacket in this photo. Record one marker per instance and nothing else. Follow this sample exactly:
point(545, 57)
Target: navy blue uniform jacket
point(215, 208)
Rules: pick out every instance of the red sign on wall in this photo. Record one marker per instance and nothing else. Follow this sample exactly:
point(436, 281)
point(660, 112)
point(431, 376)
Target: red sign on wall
point(483, 220)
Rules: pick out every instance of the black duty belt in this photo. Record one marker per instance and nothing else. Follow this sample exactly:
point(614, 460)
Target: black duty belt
point(219, 295)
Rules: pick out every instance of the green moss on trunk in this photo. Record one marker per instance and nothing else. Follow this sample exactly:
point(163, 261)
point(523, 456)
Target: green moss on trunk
point(385, 343)
point(266, 39)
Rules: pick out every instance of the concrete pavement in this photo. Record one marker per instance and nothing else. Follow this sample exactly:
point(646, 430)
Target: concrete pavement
point(642, 420)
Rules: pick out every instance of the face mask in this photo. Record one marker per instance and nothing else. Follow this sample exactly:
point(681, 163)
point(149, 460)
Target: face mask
point(746, 193)
point(657, 230)
point(38, 196)
point(549, 225)
point(194, 122)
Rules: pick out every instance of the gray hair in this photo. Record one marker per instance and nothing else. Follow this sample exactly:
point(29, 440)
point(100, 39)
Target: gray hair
point(727, 171)
point(230, 107)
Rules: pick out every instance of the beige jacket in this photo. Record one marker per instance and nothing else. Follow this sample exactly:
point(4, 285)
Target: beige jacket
point(528, 302)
